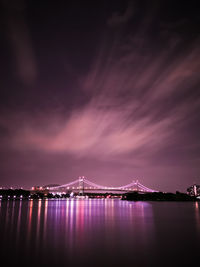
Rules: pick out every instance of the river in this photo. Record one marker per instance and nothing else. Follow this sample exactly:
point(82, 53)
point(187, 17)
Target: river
point(99, 232)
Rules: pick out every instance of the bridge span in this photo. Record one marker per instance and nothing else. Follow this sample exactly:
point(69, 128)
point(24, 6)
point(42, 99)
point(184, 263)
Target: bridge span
point(83, 185)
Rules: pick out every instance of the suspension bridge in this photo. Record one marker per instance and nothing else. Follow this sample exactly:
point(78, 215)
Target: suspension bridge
point(83, 185)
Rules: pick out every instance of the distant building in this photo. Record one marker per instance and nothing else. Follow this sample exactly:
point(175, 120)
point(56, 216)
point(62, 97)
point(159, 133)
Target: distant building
point(194, 190)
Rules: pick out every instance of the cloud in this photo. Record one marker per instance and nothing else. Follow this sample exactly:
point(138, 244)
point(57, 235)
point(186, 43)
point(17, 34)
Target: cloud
point(95, 132)
point(141, 101)
point(20, 41)
point(118, 19)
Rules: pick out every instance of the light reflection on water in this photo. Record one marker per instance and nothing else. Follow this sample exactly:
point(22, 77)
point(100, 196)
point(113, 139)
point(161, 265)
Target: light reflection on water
point(81, 232)
point(197, 214)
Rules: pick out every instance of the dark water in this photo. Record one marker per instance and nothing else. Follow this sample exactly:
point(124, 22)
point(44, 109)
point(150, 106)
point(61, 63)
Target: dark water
point(98, 232)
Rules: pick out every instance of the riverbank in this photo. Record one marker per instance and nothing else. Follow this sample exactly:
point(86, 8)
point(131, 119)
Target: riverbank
point(158, 196)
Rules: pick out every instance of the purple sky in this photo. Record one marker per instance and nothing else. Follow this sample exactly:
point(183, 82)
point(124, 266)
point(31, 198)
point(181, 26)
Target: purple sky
point(109, 91)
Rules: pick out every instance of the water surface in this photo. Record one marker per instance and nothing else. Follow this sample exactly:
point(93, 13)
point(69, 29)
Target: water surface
point(99, 232)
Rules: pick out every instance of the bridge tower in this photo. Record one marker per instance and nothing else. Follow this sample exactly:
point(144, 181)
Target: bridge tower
point(137, 187)
point(81, 185)
point(195, 190)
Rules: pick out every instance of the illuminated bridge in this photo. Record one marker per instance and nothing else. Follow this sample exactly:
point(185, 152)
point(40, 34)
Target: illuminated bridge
point(82, 185)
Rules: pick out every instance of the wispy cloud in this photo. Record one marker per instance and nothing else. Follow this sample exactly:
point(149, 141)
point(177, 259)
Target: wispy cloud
point(118, 19)
point(20, 41)
point(130, 109)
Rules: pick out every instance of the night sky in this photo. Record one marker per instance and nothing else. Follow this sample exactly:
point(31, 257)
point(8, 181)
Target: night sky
point(105, 89)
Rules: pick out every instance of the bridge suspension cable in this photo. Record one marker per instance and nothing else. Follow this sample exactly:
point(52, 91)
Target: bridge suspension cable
point(127, 185)
point(65, 185)
point(146, 188)
point(97, 186)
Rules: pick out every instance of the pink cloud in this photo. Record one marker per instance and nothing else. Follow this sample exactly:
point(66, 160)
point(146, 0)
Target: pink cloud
point(95, 132)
